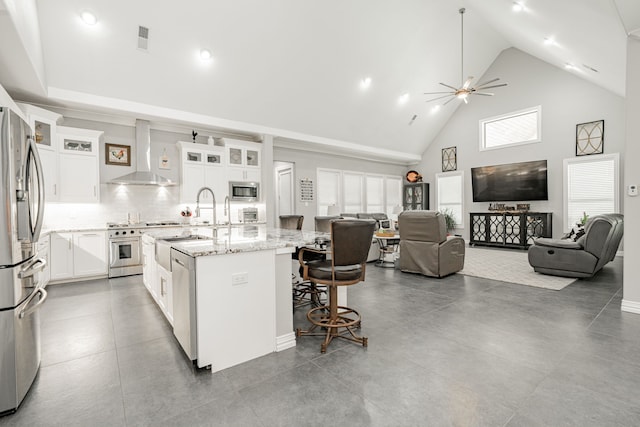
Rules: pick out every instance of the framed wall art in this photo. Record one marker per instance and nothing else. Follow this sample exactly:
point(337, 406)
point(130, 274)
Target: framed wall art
point(118, 154)
point(449, 159)
point(590, 138)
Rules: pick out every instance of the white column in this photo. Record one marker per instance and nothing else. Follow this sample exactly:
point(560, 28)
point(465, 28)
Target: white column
point(631, 281)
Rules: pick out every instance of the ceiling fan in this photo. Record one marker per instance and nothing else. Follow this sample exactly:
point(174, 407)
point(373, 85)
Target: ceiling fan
point(466, 89)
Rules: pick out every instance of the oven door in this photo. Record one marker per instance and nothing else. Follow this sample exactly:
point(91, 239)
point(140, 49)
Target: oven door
point(125, 252)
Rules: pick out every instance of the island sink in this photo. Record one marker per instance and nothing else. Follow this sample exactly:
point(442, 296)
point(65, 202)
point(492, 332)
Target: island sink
point(163, 247)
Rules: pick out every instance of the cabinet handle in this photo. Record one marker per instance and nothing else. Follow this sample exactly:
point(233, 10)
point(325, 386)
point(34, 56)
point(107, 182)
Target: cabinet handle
point(162, 282)
point(55, 189)
point(69, 243)
point(94, 191)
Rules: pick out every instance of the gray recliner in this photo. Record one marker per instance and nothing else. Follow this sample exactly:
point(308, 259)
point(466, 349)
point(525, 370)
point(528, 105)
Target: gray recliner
point(425, 247)
point(584, 257)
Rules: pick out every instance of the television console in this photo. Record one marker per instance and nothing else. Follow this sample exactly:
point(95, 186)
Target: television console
point(508, 229)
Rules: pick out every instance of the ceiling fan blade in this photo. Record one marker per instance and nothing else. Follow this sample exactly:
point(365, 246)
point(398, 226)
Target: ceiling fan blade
point(487, 82)
point(466, 100)
point(452, 98)
point(437, 93)
point(482, 93)
point(440, 97)
point(490, 87)
point(467, 83)
point(450, 87)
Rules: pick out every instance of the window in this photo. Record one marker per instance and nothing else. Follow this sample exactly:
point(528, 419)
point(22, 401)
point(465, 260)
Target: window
point(449, 194)
point(375, 193)
point(357, 192)
point(393, 190)
point(352, 184)
point(516, 128)
point(591, 186)
point(328, 189)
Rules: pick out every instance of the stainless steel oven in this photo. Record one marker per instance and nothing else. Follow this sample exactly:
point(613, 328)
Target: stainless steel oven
point(125, 251)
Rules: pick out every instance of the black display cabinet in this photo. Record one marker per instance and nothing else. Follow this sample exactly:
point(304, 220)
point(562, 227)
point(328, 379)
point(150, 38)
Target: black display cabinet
point(415, 196)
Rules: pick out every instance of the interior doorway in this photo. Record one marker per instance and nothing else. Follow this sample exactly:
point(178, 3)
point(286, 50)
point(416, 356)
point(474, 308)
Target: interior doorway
point(285, 188)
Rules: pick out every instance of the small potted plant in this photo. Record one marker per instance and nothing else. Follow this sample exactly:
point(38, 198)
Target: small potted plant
point(449, 219)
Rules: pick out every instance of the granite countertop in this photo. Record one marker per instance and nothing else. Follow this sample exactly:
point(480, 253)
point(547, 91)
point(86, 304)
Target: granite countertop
point(246, 238)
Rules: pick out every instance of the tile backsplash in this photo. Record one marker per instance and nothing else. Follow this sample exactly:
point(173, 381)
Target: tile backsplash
point(116, 201)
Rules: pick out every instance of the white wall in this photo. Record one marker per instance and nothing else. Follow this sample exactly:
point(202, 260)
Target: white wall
point(306, 165)
point(566, 100)
point(631, 281)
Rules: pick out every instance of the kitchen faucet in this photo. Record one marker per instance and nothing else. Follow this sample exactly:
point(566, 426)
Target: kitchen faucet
point(227, 211)
point(213, 196)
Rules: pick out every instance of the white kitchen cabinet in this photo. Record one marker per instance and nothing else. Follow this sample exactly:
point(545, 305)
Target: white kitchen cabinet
point(61, 245)
point(44, 125)
point(165, 292)
point(89, 254)
point(149, 265)
point(43, 253)
point(244, 160)
point(78, 254)
point(78, 181)
point(202, 166)
point(49, 159)
point(78, 165)
point(156, 279)
point(243, 174)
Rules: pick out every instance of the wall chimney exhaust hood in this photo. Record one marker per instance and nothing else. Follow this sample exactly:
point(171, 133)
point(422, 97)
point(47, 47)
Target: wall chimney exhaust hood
point(143, 174)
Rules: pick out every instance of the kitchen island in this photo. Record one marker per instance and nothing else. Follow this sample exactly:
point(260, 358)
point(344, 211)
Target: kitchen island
point(228, 294)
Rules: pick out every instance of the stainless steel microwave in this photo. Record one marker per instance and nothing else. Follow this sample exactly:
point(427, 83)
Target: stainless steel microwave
point(244, 191)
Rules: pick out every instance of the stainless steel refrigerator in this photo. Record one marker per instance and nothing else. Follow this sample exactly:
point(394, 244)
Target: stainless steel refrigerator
point(21, 293)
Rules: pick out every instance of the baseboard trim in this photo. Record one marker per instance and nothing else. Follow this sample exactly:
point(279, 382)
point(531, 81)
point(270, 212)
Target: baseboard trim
point(630, 306)
point(286, 341)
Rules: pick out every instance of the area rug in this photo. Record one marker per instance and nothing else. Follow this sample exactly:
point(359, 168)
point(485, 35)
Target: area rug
point(508, 266)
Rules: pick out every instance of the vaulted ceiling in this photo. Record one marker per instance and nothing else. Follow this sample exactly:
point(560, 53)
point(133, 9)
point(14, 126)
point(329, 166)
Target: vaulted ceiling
point(293, 68)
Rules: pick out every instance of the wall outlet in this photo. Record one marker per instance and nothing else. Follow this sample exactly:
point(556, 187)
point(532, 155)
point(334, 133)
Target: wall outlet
point(632, 190)
point(239, 278)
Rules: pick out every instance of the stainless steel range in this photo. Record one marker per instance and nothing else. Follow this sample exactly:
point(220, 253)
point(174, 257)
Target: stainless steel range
point(125, 246)
point(125, 249)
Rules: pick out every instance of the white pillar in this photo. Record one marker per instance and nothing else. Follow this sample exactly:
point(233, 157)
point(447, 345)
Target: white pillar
point(631, 281)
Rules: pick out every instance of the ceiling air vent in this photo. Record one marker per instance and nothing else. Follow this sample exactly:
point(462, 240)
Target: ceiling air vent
point(143, 38)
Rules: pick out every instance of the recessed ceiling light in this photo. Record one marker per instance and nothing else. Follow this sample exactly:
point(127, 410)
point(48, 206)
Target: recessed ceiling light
point(549, 41)
point(517, 7)
point(205, 54)
point(88, 18)
point(570, 66)
point(404, 98)
point(435, 108)
point(365, 82)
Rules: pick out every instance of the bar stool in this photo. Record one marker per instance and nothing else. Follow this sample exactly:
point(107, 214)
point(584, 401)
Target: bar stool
point(350, 242)
point(291, 222)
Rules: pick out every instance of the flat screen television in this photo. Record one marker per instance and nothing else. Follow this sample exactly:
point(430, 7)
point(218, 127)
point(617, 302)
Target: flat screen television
point(511, 182)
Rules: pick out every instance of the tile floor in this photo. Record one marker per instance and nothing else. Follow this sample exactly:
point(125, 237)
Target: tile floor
point(459, 351)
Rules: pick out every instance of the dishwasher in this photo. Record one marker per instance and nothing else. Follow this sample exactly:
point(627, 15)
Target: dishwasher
point(183, 276)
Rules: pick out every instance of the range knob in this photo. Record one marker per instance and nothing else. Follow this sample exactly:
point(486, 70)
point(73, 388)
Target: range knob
point(133, 231)
point(117, 232)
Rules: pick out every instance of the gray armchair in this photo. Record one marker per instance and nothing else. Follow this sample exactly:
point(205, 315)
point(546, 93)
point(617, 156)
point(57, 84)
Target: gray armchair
point(425, 247)
point(584, 257)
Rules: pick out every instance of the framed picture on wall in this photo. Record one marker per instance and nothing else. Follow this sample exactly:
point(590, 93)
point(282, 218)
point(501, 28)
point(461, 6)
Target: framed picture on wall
point(590, 138)
point(449, 159)
point(118, 154)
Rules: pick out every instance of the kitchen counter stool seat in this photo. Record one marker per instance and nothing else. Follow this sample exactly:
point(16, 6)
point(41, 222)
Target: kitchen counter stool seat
point(350, 242)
